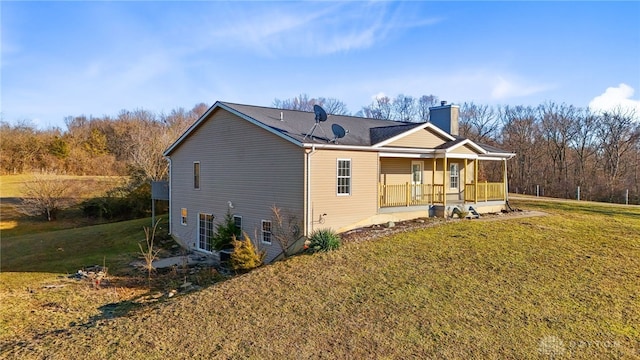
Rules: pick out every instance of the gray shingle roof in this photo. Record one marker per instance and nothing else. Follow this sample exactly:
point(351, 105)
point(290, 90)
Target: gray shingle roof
point(296, 125)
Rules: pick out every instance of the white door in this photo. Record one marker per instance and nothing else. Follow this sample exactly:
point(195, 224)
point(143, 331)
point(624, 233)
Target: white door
point(205, 231)
point(417, 172)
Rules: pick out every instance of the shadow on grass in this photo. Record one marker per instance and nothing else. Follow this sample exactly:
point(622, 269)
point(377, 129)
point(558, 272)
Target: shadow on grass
point(156, 295)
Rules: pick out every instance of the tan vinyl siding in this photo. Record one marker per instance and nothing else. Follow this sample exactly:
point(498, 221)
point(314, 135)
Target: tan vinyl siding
point(397, 171)
point(343, 210)
point(421, 139)
point(240, 163)
point(465, 149)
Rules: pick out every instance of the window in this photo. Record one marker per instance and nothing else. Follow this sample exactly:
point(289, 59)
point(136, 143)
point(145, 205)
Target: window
point(454, 176)
point(344, 176)
point(196, 175)
point(183, 216)
point(205, 231)
point(266, 231)
point(237, 220)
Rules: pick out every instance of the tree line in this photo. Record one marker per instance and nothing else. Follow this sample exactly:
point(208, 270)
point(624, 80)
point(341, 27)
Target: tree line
point(559, 147)
point(130, 143)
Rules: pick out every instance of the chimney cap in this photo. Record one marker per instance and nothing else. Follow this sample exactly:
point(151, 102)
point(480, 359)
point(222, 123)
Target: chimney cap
point(443, 103)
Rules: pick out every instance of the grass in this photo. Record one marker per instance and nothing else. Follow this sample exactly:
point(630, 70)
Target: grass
point(13, 223)
point(466, 289)
point(66, 251)
point(13, 185)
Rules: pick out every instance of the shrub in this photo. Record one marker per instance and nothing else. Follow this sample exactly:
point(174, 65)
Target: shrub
point(121, 203)
point(323, 240)
point(245, 256)
point(225, 232)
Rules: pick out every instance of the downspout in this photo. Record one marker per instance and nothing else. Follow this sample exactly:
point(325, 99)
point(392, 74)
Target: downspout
point(170, 203)
point(308, 202)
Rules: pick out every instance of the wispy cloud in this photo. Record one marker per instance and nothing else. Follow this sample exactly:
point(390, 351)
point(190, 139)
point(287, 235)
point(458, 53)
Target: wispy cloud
point(506, 87)
point(324, 29)
point(479, 85)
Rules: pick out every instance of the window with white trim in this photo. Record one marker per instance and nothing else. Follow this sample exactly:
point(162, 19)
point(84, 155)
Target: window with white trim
point(196, 175)
point(344, 176)
point(266, 231)
point(454, 176)
point(205, 231)
point(183, 216)
point(237, 221)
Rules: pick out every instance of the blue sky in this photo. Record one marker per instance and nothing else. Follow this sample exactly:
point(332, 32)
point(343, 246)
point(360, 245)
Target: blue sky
point(97, 58)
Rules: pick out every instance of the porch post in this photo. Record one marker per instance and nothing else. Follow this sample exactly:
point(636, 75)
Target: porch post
point(475, 180)
point(444, 185)
point(504, 177)
point(433, 180)
point(407, 199)
point(464, 182)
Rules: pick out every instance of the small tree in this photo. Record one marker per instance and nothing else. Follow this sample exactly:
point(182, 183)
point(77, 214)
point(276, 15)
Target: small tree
point(286, 229)
point(151, 252)
point(47, 196)
point(245, 256)
point(225, 233)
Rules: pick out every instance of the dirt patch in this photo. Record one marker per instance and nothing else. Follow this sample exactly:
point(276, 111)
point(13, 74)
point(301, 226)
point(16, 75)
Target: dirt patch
point(377, 231)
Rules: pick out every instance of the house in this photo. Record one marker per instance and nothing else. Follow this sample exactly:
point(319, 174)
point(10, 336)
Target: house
point(245, 159)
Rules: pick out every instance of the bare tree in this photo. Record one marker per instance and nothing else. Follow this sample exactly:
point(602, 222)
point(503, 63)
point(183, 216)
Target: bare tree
point(286, 229)
point(45, 196)
point(617, 135)
point(404, 108)
point(582, 143)
point(424, 103)
point(333, 106)
point(520, 134)
point(479, 122)
point(380, 108)
point(149, 140)
point(303, 102)
point(558, 125)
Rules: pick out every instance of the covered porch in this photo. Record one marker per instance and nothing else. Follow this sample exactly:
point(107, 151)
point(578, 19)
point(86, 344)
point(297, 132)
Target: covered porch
point(446, 181)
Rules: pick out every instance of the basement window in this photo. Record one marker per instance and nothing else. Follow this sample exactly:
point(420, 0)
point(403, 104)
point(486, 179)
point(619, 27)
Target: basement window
point(183, 216)
point(266, 231)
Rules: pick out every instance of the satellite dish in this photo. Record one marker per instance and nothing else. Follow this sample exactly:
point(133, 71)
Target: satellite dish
point(338, 132)
point(321, 115)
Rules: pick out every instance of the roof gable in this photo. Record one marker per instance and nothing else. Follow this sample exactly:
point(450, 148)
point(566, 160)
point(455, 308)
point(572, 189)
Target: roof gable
point(421, 135)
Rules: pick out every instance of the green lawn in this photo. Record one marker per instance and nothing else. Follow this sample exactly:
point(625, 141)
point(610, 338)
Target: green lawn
point(13, 223)
point(565, 285)
point(66, 251)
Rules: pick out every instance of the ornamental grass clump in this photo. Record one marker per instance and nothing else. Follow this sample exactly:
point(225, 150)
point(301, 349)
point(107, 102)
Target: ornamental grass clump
point(323, 240)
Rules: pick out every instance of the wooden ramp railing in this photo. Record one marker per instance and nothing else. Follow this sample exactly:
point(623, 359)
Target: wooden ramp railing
point(486, 192)
point(410, 194)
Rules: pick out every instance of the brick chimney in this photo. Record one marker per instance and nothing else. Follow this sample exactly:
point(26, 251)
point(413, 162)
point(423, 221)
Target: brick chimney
point(445, 117)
